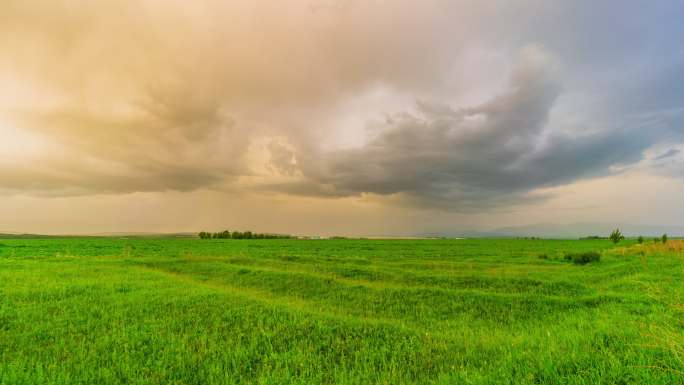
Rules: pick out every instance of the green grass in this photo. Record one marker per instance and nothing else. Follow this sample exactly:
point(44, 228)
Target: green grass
point(185, 311)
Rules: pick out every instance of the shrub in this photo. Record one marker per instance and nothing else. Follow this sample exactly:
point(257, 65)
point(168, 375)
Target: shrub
point(640, 239)
point(583, 258)
point(616, 236)
point(664, 238)
point(543, 256)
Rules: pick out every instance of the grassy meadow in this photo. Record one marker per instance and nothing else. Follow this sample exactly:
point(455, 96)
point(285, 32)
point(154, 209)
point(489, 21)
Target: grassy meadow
point(190, 311)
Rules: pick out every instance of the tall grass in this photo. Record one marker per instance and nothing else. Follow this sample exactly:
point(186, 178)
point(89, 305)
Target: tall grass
point(112, 311)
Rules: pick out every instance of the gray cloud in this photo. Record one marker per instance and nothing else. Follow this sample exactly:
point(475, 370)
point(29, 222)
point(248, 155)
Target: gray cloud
point(668, 154)
point(490, 155)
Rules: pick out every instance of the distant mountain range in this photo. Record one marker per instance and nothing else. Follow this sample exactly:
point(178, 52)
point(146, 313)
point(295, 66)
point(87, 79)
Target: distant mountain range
point(542, 230)
point(574, 230)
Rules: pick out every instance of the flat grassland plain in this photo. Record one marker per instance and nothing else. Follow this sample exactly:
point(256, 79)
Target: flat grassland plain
point(186, 311)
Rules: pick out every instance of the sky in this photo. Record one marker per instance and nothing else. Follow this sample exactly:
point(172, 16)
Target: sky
point(339, 117)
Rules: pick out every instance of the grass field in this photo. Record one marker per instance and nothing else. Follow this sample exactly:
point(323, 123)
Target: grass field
point(185, 311)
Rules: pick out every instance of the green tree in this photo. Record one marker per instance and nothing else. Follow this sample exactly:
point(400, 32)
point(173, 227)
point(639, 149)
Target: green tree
point(664, 238)
point(640, 239)
point(616, 236)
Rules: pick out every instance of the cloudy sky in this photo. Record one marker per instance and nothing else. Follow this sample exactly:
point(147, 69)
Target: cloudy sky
point(339, 117)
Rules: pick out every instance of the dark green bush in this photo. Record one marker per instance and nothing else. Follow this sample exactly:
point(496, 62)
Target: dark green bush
point(584, 257)
point(543, 256)
point(616, 236)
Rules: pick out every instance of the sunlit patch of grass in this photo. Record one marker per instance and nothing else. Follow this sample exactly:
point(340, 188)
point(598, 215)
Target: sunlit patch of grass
point(671, 246)
point(668, 344)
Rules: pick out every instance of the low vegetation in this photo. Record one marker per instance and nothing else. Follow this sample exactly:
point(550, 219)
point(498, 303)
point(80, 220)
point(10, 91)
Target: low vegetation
point(185, 311)
point(616, 236)
point(582, 258)
point(241, 235)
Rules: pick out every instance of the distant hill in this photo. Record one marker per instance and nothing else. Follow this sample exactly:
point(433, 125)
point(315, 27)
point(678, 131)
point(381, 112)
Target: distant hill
point(12, 235)
point(574, 230)
point(145, 235)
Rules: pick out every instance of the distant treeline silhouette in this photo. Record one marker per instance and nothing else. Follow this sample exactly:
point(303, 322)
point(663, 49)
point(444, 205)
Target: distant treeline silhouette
point(241, 235)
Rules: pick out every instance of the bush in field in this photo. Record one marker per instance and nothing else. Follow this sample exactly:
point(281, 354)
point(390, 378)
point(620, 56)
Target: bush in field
point(640, 239)
point(616, 236)
point(584, 257)
point(664, 238)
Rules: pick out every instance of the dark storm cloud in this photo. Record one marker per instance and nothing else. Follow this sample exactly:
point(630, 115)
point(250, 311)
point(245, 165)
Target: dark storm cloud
point(466, 159)
point(668, 154)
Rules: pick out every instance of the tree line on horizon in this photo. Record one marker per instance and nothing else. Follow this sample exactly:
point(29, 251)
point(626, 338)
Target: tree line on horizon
point(241, 235)
point(617, 236)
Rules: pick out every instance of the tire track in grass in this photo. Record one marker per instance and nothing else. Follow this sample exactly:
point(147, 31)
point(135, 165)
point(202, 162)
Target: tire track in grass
point(292, 303)
point(391, 278)
point(418, 306)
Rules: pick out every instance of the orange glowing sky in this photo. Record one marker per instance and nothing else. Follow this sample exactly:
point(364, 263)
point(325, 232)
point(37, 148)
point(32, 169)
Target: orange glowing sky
point(338, 117)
